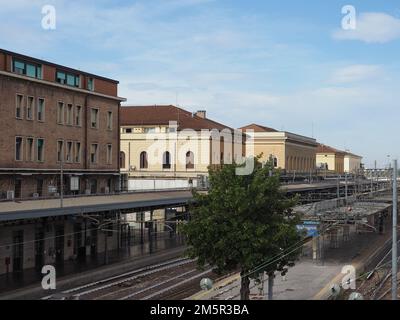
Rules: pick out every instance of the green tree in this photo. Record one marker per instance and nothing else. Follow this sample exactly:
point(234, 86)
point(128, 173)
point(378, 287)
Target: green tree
point(243, 223)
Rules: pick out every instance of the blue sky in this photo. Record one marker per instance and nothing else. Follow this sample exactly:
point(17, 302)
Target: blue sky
point(283, 64)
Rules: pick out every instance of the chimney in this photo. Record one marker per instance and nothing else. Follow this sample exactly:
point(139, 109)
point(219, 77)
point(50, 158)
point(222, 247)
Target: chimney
point(201, 114)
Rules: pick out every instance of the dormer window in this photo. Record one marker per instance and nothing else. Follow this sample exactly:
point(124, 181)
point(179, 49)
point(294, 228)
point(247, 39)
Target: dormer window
point(90, 84)
point(68, 79)
point(27, 69)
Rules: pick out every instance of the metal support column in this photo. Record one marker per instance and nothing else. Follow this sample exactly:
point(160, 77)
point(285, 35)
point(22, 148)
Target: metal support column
point(394, 246)
point(151, 232)
point(142, 218)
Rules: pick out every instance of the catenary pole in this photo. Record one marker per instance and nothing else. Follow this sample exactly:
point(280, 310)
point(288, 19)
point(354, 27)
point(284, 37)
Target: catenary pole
point(394, 245)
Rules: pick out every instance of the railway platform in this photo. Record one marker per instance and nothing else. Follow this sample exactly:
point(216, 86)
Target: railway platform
point(28, 285)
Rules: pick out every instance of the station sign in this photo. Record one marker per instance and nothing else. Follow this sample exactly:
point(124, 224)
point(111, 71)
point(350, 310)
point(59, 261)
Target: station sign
point(311, 227)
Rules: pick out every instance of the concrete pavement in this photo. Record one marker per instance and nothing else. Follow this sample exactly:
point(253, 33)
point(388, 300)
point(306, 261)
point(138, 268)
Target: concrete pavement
point(308, 279)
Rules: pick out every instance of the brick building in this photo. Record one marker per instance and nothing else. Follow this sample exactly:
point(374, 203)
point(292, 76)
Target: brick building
point(55, 118)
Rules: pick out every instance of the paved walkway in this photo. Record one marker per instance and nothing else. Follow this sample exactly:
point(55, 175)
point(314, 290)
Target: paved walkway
point(308, 279)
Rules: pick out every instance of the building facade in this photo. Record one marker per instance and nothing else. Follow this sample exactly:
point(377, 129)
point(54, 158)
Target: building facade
point(56, 119)
point(352, 163)
point(288, 151)
point(166, 147)
point(330, 159)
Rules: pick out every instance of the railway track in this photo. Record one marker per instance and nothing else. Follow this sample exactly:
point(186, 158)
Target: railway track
point(162, 281)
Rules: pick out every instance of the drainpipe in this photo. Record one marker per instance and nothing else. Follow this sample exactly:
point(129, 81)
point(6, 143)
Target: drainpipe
point(85, 152)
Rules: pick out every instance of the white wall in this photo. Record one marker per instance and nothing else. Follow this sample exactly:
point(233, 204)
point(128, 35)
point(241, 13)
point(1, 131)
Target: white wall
point(158, 184)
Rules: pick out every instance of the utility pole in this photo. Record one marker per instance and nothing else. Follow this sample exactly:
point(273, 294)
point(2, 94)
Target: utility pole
point(372, 181)
point(338, 187)
point(62, 182)
point(394, 245)
point(345, 187)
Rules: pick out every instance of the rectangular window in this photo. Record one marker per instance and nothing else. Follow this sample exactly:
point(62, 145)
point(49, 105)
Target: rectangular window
point(40, 110)
point(19, 67)
point(90, 84)
point(31, 71)
point(60, 113)
point(78, 116)
point(27, 69)
point(94, 118)
point(19, 106)
point(78, 152)
point(109, 120)
point(30, 152)
point(69, 151)
point(69, 114)
point(30, 106)
point(109, 154)
point(94, 153)
point(60, 150)
point(40, 150)
point(18, 149)
point(68, 79)
point(61, 77)
point(149, 130)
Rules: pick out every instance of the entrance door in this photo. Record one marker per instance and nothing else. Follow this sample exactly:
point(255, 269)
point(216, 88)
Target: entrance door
point(39, 249)
point(59, 245)
point(18, 189)
point(18, 251)
point(39, 187)
point(110, 185)
point(93, 186)
point(79, 246)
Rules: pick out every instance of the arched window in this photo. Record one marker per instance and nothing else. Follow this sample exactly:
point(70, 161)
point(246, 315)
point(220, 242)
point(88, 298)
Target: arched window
point(189, 160)
point(143, 160)
point(166, 160)
point(122, 160)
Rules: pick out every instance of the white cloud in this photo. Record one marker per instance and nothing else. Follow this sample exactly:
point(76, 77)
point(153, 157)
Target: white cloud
point(357, 73)
point(372, 27)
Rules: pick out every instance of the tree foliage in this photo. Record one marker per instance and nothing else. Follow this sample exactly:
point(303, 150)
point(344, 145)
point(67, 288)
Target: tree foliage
point(244, 222)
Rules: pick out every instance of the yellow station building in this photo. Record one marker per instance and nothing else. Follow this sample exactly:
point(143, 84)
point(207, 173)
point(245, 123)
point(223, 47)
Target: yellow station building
point(167, 147)
point(290, 152)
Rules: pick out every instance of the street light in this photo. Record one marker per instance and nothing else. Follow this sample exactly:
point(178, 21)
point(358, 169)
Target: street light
point(394, 235)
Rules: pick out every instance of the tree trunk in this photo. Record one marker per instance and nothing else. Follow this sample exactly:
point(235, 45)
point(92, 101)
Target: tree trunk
point(271, 276)
point(245, 287)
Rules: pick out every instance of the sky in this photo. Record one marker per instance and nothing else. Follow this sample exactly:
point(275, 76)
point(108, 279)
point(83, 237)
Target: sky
point(284, 64)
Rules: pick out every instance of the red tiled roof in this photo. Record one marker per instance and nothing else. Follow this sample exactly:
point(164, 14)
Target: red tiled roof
point(327, 149)
point(162, 115)
point(258, 128)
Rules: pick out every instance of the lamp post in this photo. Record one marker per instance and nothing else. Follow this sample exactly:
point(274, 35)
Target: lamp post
point(394, 244)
